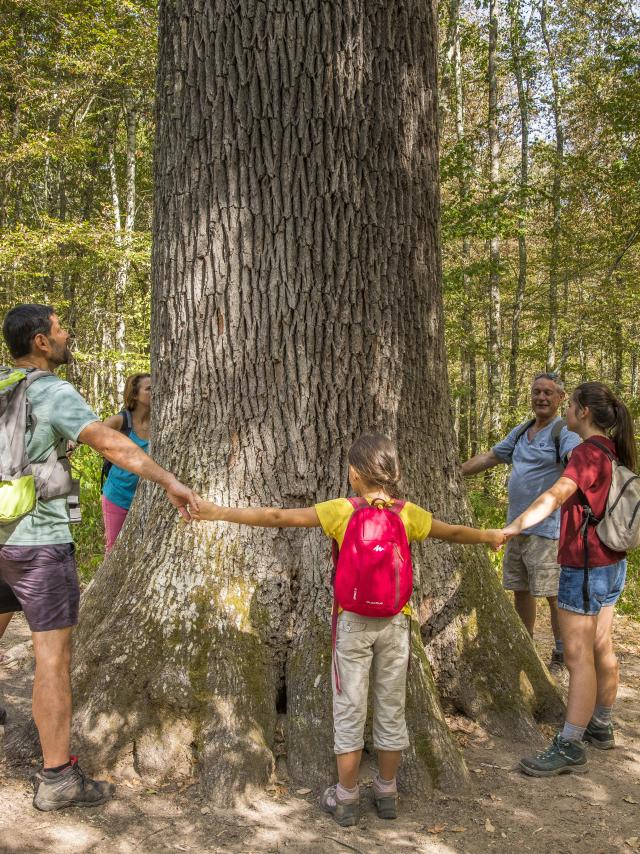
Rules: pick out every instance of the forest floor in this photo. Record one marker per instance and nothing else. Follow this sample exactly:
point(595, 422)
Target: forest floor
point(501, 811)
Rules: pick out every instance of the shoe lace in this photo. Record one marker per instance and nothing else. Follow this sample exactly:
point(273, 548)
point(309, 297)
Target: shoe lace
point(549, 752)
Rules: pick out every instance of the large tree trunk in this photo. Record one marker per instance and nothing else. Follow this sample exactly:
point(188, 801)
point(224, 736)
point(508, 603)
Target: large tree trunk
point(296, 303)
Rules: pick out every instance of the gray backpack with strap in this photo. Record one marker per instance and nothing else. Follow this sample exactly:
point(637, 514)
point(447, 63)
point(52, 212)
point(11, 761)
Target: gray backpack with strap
point(619, 527)
point(23, 482)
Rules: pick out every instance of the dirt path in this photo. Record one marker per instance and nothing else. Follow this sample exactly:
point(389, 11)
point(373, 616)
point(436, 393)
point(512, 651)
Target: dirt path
point(502, 810)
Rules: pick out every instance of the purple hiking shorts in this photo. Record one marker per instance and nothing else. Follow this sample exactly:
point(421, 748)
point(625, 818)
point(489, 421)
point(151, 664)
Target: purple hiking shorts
point(42, 581)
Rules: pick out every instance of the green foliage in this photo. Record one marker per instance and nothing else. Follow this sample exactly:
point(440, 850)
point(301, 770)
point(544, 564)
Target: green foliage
point(89, 532)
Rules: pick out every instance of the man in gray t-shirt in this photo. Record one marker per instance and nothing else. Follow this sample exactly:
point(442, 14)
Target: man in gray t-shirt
point(37, 564)
point(530, 567)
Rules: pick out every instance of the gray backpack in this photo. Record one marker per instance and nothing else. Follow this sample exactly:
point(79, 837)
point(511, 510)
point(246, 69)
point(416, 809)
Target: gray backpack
point(619, 527)
point(22, 482)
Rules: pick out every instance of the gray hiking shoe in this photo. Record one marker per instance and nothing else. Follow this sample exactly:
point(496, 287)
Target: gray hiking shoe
point(561, 757)
point(600, 735)
point(69, 788)
point(557, 668)
point(346, 813)
point(386, 805)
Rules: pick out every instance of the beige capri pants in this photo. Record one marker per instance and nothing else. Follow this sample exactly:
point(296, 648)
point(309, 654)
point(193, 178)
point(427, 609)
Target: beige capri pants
point(381, 645)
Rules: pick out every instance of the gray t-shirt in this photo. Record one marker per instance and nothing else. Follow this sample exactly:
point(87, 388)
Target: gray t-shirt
point(58, 412)
point(534, 470)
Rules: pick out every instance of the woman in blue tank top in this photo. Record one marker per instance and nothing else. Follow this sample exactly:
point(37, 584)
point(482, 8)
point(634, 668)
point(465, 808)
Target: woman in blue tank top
point(120, 485)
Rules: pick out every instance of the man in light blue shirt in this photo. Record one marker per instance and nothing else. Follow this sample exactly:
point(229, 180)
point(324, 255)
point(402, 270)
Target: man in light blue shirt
point(537, 453)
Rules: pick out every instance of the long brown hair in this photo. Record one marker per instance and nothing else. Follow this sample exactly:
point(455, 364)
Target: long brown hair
point(131, 390)
point(612, 417)
point(375, 458)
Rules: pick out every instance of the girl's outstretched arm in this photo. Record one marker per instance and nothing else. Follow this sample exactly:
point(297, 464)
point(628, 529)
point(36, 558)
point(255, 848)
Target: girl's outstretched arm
point(543, 506)
point(464, 534)
point(260, 517)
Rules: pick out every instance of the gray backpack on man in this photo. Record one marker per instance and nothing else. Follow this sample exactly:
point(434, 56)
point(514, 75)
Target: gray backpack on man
point(619, 527)
point(23, 482)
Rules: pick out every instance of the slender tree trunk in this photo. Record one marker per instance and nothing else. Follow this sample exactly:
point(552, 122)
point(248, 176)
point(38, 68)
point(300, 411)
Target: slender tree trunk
point(556, 191)
point(276, 339)
point(494, 349)
point(123, 234)
point(518, 45)
point(454, 92)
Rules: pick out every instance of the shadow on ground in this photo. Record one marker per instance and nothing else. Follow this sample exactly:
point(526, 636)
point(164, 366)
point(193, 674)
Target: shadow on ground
point(501, 811)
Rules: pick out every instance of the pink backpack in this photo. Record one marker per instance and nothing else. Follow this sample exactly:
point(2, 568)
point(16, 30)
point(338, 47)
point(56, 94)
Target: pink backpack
point(373, 574)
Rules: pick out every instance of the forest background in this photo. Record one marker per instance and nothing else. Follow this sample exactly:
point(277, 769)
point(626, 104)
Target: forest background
point(540, 184)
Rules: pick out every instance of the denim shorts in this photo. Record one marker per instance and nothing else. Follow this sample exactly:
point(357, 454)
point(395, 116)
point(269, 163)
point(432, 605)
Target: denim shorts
point(606, 583)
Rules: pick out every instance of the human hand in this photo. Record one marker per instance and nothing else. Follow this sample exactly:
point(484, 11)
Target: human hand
point(207, 510)
point(184, 498)
point(495, 538)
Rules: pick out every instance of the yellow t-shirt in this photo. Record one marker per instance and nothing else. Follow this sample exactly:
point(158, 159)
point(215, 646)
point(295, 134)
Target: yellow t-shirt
point(334, 517)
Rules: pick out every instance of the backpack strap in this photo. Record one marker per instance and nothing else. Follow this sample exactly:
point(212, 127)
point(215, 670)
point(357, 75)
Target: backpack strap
point(127, 421)
point(125, 428)
point(397, 507)
point(34, 374)
point(589, 518)
point(557, 429)
point(522, 429)
point(593, 441)
point(358, 502)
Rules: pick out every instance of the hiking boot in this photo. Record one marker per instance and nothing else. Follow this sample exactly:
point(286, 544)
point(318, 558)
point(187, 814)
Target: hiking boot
point(346, 813)
point(69, 788)
point(600, 735)
point(557, 668)
point(561, 757)
point(386, 804)
point(3, 716)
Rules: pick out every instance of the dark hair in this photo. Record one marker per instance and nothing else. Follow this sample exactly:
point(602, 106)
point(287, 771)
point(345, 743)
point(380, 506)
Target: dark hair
point(375, 458)
point(23, 323)
point(131, 390)
point(610, 415)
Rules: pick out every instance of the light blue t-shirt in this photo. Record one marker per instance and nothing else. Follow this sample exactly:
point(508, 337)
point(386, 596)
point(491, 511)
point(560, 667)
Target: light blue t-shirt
point(534, 470)
point(120, 485)
point(58, 412)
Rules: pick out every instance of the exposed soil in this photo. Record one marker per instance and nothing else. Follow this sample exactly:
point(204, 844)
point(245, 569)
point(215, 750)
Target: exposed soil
point(502, 810)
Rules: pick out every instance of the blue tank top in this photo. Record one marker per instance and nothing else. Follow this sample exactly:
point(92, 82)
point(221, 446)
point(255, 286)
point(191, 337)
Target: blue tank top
point(120, 485)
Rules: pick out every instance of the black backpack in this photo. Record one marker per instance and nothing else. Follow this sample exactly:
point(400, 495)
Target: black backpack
point(555, 435)
point(127, 427)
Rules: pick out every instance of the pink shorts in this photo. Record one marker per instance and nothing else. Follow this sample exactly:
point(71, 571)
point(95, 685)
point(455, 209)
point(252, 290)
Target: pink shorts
point(114, 517)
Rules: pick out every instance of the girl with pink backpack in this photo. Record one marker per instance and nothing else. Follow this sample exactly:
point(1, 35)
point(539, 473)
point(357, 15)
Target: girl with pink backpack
point(372, 585)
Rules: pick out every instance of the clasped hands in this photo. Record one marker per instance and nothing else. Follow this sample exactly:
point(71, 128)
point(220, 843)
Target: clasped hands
point(497, 537)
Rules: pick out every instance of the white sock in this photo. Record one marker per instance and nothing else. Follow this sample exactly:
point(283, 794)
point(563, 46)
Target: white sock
point(386, 787)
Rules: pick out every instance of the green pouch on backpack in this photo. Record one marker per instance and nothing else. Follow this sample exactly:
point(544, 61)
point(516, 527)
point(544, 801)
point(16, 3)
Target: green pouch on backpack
point(17, 498)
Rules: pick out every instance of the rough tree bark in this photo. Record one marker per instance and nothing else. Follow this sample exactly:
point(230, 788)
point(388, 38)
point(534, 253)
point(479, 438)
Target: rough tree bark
point(296, 303)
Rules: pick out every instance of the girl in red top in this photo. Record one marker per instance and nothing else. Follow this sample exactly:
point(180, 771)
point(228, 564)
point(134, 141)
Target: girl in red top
point(592, 576)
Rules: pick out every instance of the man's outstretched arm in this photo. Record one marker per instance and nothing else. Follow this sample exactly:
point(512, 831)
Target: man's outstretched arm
point(481, 462)
point(119, 449)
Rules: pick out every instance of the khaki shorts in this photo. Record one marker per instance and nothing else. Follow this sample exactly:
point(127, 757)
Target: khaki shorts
point(531, 563)
point(365, 644)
